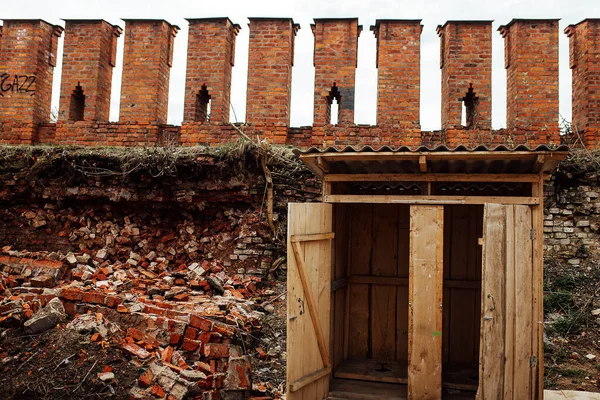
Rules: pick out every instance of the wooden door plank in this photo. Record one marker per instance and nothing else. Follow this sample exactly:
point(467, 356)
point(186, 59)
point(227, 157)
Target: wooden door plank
point(339, 296)
point(523, 300)
point(295, 369)
point(491, 360)
point(309, 280)
point(383, 298)
point(510, 302)
point(425, 297)
point(360, 241)
point(537, 216)
point(323, 294)
point(447, 292)
point(402, 291)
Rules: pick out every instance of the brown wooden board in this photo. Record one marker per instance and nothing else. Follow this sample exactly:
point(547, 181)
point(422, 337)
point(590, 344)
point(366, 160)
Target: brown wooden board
point(523, 287)
point(383, 297)
point(508, 328)
point(309, 279)
point(402, 291)
point(491, 373)
point(339, 296)
point(360, 222)
point(425, 298)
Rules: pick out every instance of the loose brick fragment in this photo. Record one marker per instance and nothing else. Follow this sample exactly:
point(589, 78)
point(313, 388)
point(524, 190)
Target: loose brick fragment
point(200, 323)
point(216, 350)
point(136, 351)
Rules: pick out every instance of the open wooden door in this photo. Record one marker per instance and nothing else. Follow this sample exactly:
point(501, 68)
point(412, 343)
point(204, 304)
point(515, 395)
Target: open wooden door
point(309, 250)
point(510, 299)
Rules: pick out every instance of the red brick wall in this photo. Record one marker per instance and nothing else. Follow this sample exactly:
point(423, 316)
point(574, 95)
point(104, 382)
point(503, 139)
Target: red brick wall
point(398, 71)
point(531, 61)
point(584, 49)
point(335, 58)
point(210, 57)
point(28, 49)
point(270, 61)
point(466, 61)
point(27, 60)
point(147, 62)
point(88, 60)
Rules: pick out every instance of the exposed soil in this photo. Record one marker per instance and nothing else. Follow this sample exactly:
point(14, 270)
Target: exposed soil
point(61, 364)
point(269, 363)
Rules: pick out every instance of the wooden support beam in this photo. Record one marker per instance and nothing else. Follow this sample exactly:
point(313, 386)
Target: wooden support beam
point(429, 200)
point(432, 178)
point(338, 284)
point(323, 164)
point(390, 281)
point(310, 301)
point(308, 379)
point(423, 164)
point(539, 163)
point(312, 237)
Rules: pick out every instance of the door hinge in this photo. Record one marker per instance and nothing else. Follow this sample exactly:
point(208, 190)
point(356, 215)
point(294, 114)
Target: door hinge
point(532, 234)
point(533, 361)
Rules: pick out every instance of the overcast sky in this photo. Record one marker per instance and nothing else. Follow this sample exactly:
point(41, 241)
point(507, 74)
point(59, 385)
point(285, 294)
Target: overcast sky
point(432, 13)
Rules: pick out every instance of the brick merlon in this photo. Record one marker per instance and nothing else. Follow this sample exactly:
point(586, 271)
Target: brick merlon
point(569, 29)
point(58, 30)
point(440, 28)
point(295, 26)
point(378, 22)
point(150, 20)
point(117, 30)
point(502, 28)
point(215, 19)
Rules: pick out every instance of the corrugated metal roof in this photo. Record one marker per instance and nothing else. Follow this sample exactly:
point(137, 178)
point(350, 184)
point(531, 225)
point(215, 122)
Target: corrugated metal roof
point(440, 159)
point(440, 148)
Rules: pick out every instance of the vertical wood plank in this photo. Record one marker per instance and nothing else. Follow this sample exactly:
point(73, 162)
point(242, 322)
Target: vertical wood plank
point(339, 296)
point(295, 320)
point(491, 360)
point(510, 303)
point(323, 222)
point(383, 297)
point(447, 294)
point(360, 240)
point(461, 319)
point(538, 282)
point(425, 296)
point(402, 291)
point(523, 300)
point(304, 357)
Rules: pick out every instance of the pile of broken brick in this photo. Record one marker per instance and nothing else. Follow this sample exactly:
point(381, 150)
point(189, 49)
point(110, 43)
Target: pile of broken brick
point(184, 325)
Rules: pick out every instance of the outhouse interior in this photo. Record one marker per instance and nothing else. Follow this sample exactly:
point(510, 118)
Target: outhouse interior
point(419, 275)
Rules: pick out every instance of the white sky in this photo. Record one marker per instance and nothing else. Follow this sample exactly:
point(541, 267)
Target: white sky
point(432, 13)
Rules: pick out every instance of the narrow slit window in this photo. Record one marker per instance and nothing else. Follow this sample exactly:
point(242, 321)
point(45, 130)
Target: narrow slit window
point(203, 105)
point(77, 106)
point(333, 105)
point(470, 102)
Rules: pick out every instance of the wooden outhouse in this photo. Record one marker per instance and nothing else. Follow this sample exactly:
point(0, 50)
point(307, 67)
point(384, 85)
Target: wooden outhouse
point(419, 276)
